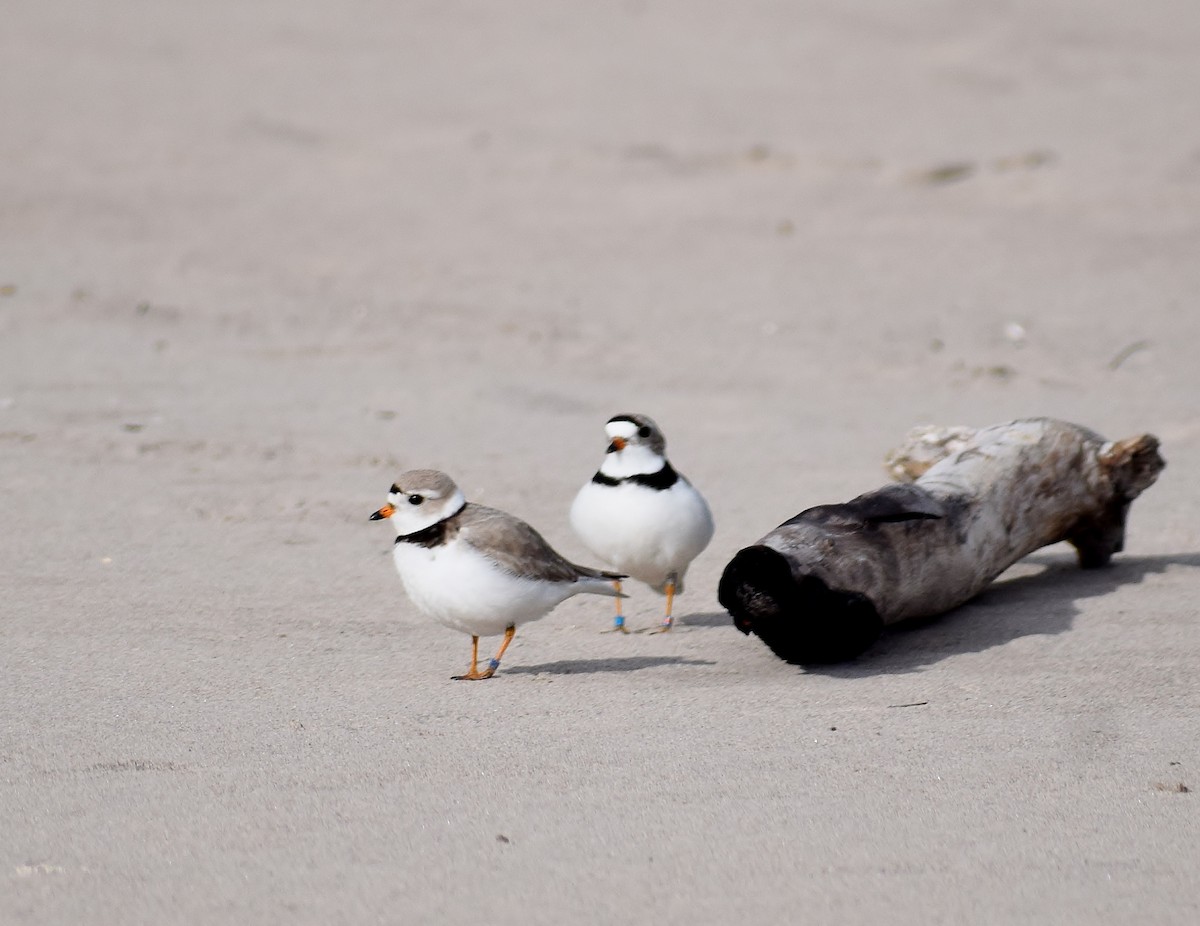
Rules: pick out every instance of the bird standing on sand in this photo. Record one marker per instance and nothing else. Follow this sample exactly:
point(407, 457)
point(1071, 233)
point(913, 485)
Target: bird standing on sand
point(476, 569)
point(639, 515)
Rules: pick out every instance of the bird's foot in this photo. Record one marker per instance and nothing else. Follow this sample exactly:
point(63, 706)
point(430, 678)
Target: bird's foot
point(618, 626)
point(475, 675)
point(665, 626)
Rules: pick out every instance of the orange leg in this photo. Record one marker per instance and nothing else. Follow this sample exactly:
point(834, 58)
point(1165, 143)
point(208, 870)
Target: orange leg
point(619, 621)
point(494, 664)
point(668, 621)
point(473, 672)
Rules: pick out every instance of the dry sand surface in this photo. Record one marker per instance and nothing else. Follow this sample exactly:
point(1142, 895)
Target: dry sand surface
point(257, 258)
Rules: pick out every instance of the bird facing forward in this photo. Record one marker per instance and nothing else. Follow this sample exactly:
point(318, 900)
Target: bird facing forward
point(639, 515)
point(476, 569)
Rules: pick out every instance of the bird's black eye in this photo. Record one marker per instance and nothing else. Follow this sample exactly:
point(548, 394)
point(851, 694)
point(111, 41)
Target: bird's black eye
point(644, 431)
point(415, 499)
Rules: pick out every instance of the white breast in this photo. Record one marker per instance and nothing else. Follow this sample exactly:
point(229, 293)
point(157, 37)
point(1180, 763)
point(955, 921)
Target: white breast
point(458, 586)
point(646, 533)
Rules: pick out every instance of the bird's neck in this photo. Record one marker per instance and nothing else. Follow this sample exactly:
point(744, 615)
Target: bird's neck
point(408, 520)
point(632, 461)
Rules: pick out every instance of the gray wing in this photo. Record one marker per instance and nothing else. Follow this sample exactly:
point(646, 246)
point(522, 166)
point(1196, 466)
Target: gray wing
point(518, 548)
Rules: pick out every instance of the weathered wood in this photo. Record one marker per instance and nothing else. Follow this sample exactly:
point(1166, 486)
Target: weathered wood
point(822, 585)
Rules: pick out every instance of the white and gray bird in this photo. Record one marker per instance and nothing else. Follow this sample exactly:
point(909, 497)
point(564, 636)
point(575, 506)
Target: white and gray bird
point(639, 515)
point(476, 569)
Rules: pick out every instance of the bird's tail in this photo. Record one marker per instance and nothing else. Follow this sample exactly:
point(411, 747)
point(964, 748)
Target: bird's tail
point(595, 582)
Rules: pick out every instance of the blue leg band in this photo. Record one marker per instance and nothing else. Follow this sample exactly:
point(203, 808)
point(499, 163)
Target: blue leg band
point(619, 621)
point(493, 664)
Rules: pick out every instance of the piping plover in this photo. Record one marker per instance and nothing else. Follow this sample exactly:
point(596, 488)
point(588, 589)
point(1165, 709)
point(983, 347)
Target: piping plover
point(476, 569)
point(639, 515)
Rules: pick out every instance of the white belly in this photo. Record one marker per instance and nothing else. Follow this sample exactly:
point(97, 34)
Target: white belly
point(457, 586)
point(645, 533)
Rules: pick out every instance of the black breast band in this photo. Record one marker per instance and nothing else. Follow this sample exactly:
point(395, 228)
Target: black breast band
point(435, 534)
point(663, 479)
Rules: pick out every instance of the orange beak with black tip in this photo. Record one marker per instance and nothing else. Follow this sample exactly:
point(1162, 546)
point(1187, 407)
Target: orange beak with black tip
point(384, 512)
point(618, 443)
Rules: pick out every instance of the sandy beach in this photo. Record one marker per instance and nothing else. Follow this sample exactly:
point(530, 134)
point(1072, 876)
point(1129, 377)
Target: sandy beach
point(257, 259)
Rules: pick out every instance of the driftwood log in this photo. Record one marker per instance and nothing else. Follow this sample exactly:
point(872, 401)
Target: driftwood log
point(821, 586)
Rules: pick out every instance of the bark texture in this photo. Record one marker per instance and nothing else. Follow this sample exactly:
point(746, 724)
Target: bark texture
point(822, 585)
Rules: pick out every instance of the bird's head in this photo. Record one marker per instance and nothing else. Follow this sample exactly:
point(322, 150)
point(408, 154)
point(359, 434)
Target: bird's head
point(636, 445)
point(419, 499)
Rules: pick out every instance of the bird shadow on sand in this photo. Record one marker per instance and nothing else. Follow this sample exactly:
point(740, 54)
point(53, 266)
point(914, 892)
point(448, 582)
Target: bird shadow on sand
point(618, 664)
point(1043, 603)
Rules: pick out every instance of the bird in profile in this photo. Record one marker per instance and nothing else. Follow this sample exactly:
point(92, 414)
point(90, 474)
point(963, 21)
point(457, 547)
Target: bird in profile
point(639, 515)
point(476, 569)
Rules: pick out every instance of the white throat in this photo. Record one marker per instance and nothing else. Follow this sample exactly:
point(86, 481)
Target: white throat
point(634, 460)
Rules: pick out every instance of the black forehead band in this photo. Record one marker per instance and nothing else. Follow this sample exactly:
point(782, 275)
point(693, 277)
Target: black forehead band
point(632, 419)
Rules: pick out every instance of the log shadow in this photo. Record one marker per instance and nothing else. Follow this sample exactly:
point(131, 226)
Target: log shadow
point(618, 664)
point(1043, 603)
point(706, 619)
